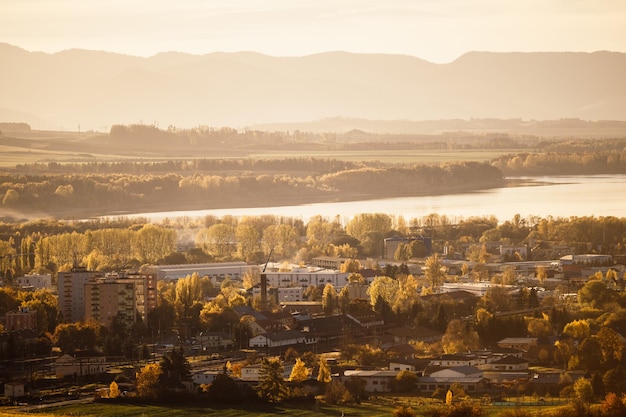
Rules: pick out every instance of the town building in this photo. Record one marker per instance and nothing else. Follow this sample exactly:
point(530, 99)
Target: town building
point(14, 389)
point(80, 364)
point(521, 343)
point(252, 373)
point(329, 262)
point(23, 319)
point(469, 377)
point(304, 277)
point(217, 272)
point(375, 381)
point(145, 292)
point(34, 282)
point(214, 340)
point(280, 339)
point(282, 294)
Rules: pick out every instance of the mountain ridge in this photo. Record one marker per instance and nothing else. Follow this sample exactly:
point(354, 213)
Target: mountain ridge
point(95, 89)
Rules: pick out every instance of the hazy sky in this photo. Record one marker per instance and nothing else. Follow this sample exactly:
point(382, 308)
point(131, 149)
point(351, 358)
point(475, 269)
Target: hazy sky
point(436, 30)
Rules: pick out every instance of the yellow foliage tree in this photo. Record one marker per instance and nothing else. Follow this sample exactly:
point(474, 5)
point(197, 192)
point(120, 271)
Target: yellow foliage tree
point(324, 372)
point(114, 390)
point(148, 379)
point(299, 372)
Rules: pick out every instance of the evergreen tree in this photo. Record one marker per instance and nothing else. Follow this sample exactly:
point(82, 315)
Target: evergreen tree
point(272, 386)
point(176, 368)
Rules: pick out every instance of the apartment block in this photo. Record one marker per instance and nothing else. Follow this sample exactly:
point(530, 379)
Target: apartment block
point(106, 298)
point(71, 293)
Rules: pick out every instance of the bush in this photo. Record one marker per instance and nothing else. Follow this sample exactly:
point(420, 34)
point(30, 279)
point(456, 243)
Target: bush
point(337, 393)
point(403, 411)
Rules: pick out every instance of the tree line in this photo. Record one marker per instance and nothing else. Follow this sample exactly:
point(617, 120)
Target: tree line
point(50, 245)
point(563, 163)
point(80, 195)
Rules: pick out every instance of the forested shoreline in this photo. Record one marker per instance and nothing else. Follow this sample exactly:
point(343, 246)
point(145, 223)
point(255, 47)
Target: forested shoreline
point(140, 168)
point(85, 194)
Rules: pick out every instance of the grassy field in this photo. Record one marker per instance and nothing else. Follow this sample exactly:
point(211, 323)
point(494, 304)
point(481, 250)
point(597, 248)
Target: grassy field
point(63, 147)
point(395, 156)
point(115, 410)
point(376, 408)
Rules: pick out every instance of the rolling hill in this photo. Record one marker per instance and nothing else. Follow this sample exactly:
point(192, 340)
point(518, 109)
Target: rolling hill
point(91, 90)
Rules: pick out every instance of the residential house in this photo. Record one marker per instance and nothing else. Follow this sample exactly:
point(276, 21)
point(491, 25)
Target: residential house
point(280, 338)
point(214, 340)
point(375, 381)
point(413, 365)
point(457, 360)
point(204, 377)
point(326, 329)
point(524, 344)
point(368, 320)
point(80, 364)
point(469, 377)
point(251, 373)
point(507, 369)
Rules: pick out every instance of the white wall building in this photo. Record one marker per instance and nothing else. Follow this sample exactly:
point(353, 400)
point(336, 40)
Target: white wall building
point(35, 281)
point(305, 276)
point(216, 271)
point(284, 294)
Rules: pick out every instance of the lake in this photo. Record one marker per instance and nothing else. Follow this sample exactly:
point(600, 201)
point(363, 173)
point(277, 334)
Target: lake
point(563, 196)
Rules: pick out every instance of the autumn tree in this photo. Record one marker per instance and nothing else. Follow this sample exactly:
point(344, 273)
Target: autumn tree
point(583, 390)
point(350, 265)
point(596, 294)
point(589, 354)
point(611, 346)
point(148, 380)
point(539, 327)
point(434, 271)
point(299, 372)
point(220, 239)
point(497, 298)
point(324, 371)
point(329, 299)
point(459, 337)
point(153, 242)
point(405, 381)
point(577, 329)
point(248, 241)
point(369, 229)
point(283, 239)
point(114, 390)
point(188, 294)
point(321, 232)
point(385, 288)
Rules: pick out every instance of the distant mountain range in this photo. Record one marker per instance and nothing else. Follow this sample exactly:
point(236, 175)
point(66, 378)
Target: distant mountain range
point(81, 89)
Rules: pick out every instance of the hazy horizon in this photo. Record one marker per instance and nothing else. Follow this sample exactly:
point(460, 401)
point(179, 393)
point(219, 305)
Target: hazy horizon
point(436, 31)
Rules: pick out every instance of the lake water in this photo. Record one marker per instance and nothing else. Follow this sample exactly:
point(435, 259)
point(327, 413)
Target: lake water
point(565, 196)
